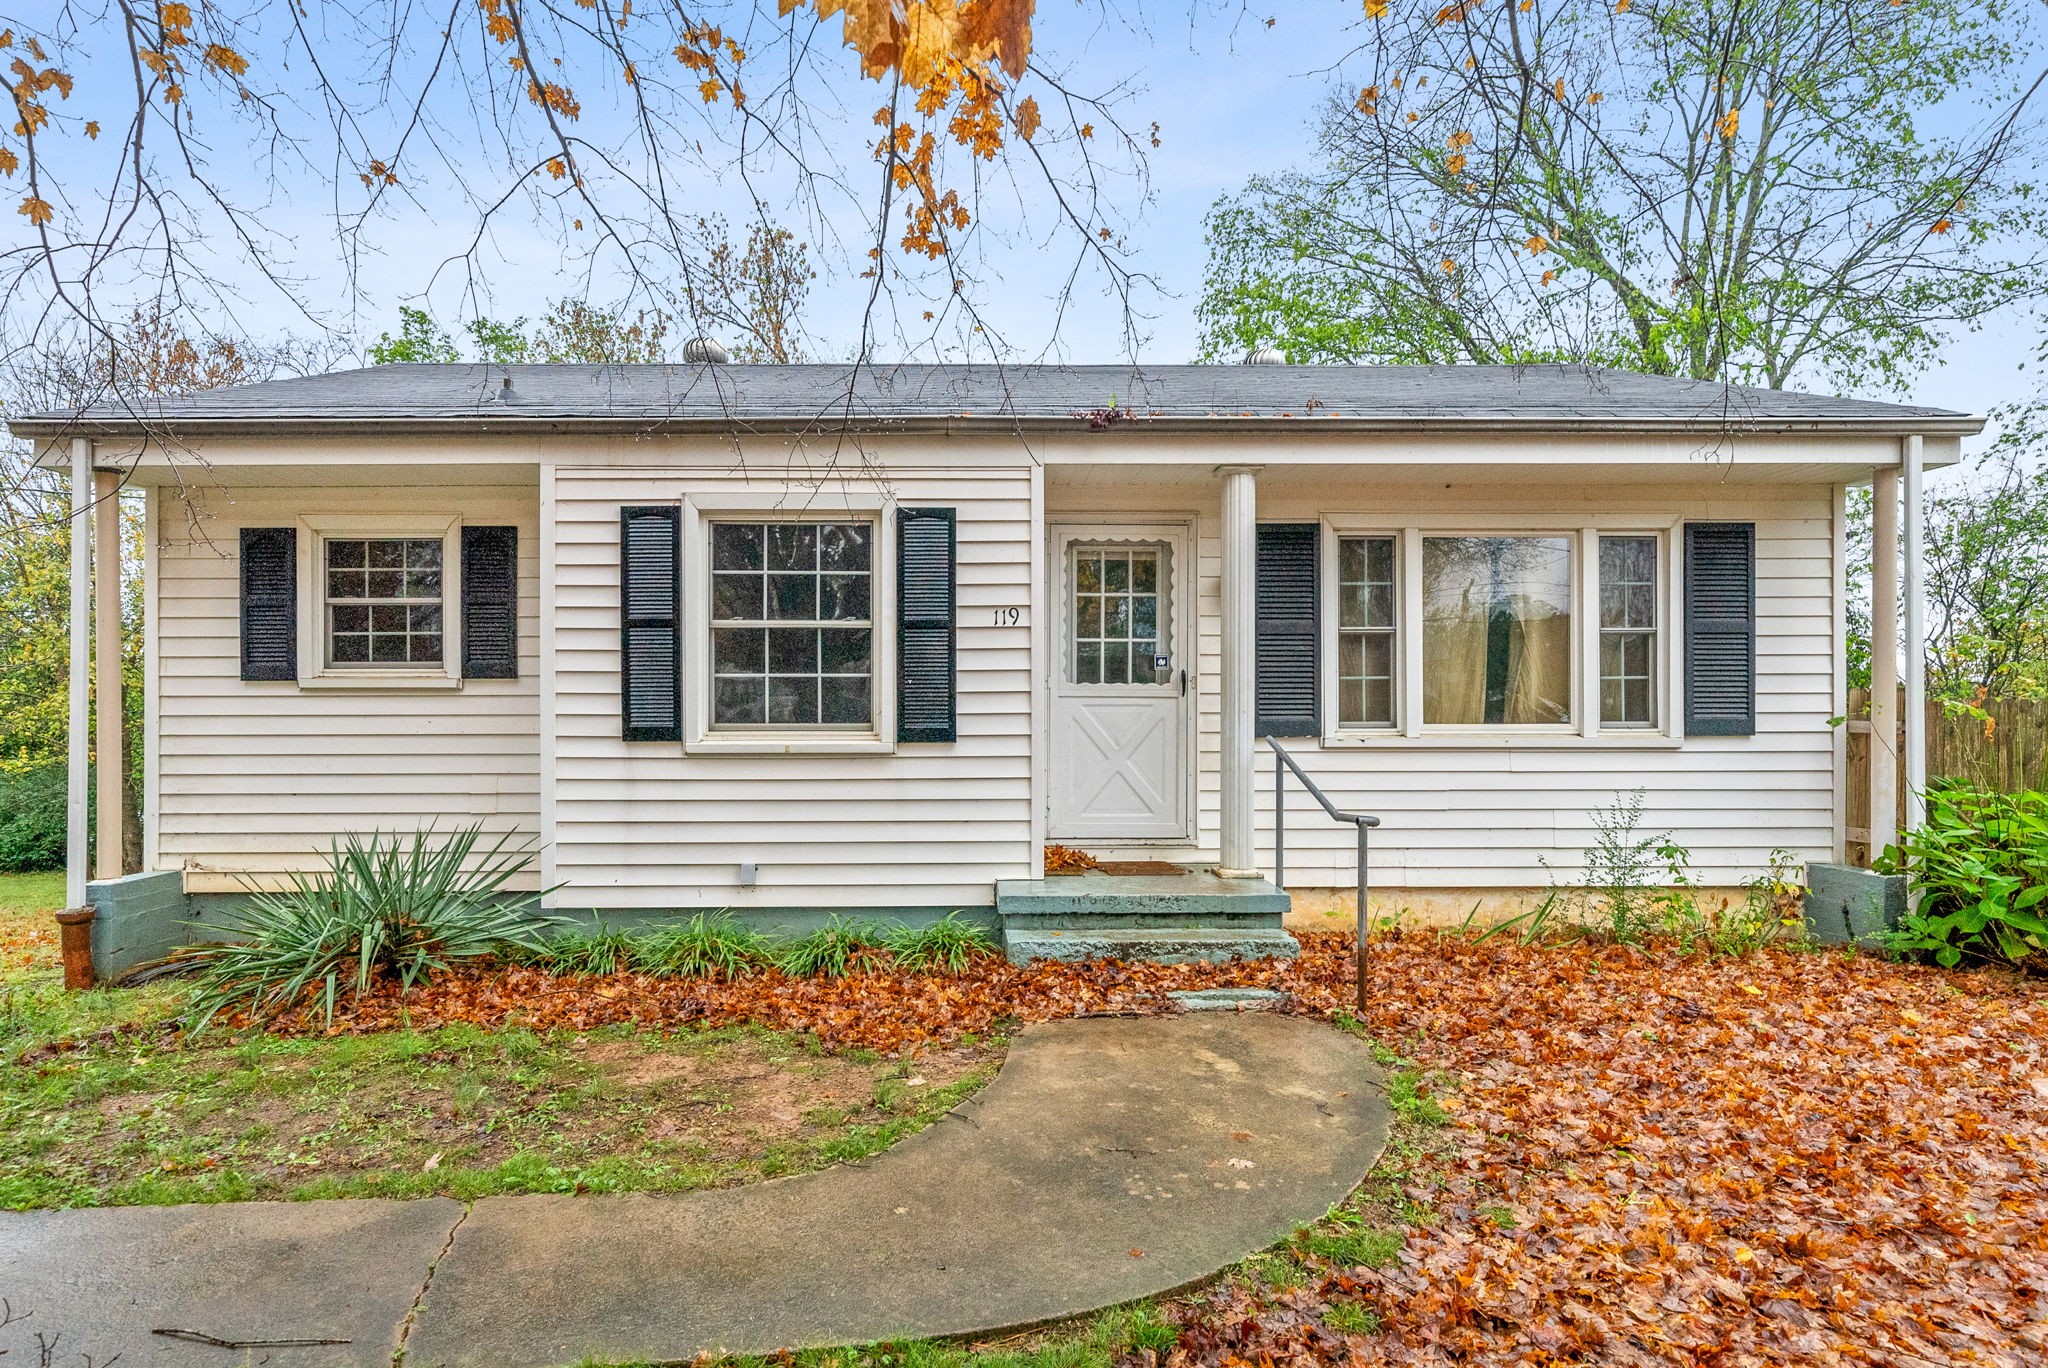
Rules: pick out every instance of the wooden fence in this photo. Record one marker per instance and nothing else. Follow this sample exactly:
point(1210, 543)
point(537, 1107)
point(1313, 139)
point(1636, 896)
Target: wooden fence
point(2004, 748)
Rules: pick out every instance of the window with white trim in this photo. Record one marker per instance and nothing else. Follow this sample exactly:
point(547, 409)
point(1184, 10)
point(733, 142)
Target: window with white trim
point(1628, 631)
point(792, 624)
point(383, 602)
point(1442, 631)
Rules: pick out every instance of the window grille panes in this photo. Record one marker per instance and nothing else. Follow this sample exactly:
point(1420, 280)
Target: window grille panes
point(792, 634)
point(1116, 615)
point(1497, 630)
point(1628, 631)
point(384, 601)
point(1365, 631)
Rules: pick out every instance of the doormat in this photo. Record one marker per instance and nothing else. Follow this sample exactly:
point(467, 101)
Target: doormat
point(1136, 868)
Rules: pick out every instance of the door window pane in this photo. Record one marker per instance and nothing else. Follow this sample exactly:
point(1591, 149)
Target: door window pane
point(1365, 631)
point(1497, 630)
point(793, 644)
point(1118, 615)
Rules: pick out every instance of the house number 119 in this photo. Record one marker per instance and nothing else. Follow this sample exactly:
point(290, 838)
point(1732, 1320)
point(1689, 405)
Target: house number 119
point(1009, 617)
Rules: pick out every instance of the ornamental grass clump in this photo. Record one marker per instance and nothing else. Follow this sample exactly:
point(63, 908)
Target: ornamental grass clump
point(843, 945)
point(1979, 869)
point(601, 950)
point(709, 945)
point(949, 945)
point(391, 906)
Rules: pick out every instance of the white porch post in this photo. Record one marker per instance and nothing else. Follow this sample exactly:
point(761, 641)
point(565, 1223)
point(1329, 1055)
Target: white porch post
point(1240, 559)
point(1916, 638)
point(1884, 659)
point(111, 816)
point(76, 835)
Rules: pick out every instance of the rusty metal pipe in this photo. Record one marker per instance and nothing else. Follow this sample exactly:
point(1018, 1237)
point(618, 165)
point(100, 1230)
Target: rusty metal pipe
point(74, 939)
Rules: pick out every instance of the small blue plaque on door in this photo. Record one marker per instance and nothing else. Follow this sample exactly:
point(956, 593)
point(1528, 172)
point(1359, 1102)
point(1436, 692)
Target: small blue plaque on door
point(1159, 662)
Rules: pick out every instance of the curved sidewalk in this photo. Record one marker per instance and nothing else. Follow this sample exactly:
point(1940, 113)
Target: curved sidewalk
point(1109, 1160)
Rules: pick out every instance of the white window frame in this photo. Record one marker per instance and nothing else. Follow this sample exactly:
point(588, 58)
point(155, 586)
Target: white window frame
point(699, 736)
point(1584, 533)
point(315, 531)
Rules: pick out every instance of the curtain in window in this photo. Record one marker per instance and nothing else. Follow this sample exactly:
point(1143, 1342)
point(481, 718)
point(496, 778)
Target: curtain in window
point(1496, 631)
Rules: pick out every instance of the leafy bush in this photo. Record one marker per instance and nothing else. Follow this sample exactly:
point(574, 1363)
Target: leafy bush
point(949, 944)
point(841, 946)
point(397, 905)
point(1980, 869)
point(32, 819)
point(707, 946)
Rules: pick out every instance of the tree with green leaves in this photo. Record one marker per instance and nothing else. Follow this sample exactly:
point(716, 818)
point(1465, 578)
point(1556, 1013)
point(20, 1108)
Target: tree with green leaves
point(1986, 568)
point(1722, 189)
point(571, 330)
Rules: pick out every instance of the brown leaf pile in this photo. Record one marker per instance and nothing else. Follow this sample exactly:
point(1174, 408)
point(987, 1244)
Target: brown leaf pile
point(1059, 857)
point(1786, 1158)
point(1656, 1159)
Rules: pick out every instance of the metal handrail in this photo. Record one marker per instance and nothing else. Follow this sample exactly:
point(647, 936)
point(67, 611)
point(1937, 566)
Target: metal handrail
point(1363, 822)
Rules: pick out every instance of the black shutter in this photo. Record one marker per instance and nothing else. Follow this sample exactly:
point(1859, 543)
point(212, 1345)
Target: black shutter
point(490, 603)
point(270, 603)
point(1720, 629)
point(650, 623)
point(925, 704)
point(1288, 599)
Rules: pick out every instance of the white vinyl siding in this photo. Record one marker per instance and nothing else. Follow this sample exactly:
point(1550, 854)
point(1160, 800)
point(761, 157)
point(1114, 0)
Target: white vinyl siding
point(646, 825)
point(257, 778)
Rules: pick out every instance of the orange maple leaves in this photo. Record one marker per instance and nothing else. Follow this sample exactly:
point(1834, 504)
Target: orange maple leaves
point(922, 40)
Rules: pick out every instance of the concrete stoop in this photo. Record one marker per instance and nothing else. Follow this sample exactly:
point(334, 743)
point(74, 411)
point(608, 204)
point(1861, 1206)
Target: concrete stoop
point(1170, 919)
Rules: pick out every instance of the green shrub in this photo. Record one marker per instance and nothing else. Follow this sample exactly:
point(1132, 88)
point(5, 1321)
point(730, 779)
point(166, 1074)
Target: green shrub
point(32, 818)
point(601, 950)
point(397, 905)
point(840, 946)
point(709, 945)
point(1979, 867)
point(949, 945)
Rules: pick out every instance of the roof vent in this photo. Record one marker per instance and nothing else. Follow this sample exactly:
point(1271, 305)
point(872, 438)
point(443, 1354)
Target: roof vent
point(1266, 355)
point(705, 351)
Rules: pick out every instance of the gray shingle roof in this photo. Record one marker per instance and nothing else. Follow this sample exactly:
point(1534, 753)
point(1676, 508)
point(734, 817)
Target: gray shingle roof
point(642, 397)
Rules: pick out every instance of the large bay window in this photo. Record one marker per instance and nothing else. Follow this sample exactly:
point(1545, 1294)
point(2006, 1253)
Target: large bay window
point(1454, 632)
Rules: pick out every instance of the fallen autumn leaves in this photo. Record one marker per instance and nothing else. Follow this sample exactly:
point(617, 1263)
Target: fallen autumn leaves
point(1784, 1158)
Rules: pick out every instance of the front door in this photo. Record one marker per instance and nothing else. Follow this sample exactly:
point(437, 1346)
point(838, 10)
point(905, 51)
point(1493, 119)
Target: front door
point(1120, 740)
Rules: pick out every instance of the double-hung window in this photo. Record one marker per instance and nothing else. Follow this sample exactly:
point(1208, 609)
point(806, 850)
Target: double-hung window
point(384, 601)
point(792, 625)
point(1485, 630)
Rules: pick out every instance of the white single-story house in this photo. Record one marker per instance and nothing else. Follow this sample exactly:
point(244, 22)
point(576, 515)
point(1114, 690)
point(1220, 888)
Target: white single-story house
point(783, 639)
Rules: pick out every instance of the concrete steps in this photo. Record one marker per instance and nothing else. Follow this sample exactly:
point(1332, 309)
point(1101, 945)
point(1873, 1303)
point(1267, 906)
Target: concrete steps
point(1166, 918)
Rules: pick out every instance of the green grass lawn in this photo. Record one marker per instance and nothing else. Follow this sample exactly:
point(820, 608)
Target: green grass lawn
point(104, 1101)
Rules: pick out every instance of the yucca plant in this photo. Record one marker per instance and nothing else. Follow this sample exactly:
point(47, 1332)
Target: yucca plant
point(949, 944)
point(709, 945)
point(840, 946)
point(387, 904)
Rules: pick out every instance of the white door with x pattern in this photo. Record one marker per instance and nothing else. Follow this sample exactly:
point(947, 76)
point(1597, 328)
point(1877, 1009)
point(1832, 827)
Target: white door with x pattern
point(1120, 740)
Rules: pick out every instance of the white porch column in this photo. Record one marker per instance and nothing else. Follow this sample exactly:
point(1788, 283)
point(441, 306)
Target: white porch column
point(1884, 659)
point(1240, 563)
point(107, 684)
point(1916, 638)
point(76, 835)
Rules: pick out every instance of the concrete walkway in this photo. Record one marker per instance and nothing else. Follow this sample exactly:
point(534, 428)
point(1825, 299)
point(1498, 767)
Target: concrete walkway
point(1109, 1160)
